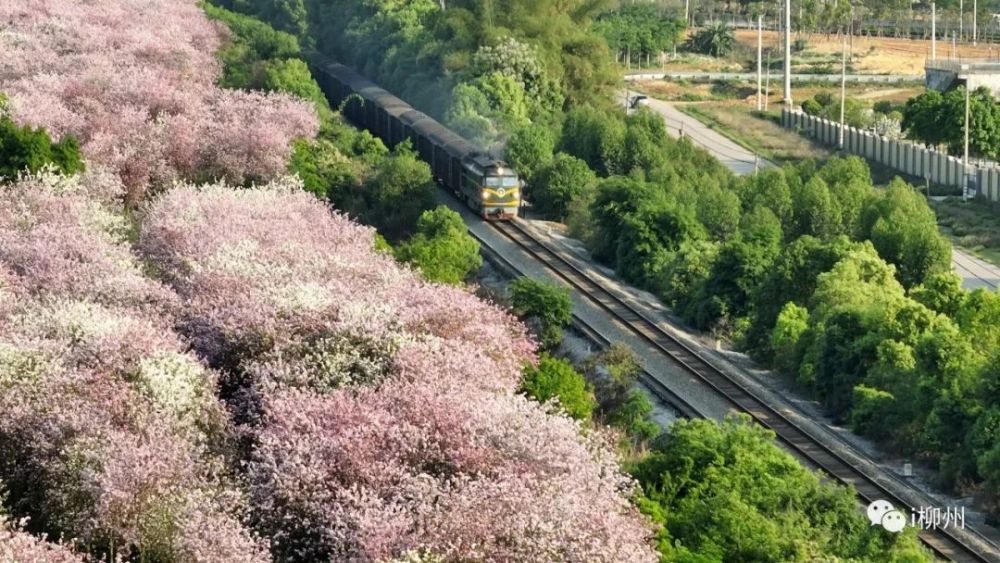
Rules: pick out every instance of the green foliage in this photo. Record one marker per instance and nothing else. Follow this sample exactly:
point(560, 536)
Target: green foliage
point(545, 304)
point(595, 137)
point(939, 119)
point(529, 149)
point(726, 492)
point(904, 231)
point(614, 373)
point(716, 40)
point(487, 108)
point(335, 164)
point(560, 181)
point(424, 51)
point(24, 149)
point(640, 29)
point(632, 416)
point(442, 249)
point(253, 43)
point(792, 322)
point(399, 192)
point(824, 105)
point(554, 378)
point(815, 211)
point(292, 76)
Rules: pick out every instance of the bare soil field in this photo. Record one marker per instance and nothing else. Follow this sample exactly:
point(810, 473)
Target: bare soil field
point(746, 92)
point(873, 55)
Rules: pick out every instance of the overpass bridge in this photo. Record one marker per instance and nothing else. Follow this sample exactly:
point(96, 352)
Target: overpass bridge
point(945, 74)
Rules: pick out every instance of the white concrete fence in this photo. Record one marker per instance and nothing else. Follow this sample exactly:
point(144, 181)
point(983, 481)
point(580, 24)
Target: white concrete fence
point(900, 155)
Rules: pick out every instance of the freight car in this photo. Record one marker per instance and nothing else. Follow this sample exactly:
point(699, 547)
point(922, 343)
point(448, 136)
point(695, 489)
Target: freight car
point(486, 184)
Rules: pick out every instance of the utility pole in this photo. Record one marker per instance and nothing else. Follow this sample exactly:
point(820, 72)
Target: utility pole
point(965, 158)
point(760, 55)
point(975, 31)
point(687, 7)
point(788, 54)
point(767, 81)
point(961, 18)
point(843, 93)
point(933, 32)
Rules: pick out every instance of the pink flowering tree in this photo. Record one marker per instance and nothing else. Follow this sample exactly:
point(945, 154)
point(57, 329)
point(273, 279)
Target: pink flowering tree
point(110, 431)
point(135, 83)
point(382, 411)
point(16, 545)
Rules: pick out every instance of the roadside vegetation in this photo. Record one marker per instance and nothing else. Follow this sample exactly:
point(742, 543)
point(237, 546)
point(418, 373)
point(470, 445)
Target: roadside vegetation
point(974, 226)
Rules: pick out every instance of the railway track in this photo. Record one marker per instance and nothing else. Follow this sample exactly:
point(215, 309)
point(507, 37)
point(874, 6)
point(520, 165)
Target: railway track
point(944, 543)
point(655, 386)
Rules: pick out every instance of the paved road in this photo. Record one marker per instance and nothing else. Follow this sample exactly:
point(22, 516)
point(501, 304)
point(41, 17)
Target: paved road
point(733, 156)
point(975, 273)
point(696, 75)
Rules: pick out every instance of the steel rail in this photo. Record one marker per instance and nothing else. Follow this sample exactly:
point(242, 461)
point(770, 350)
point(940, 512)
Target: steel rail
point(942, 542)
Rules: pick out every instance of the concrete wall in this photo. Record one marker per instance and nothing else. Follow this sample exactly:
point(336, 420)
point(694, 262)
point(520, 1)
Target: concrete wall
point(903, 156)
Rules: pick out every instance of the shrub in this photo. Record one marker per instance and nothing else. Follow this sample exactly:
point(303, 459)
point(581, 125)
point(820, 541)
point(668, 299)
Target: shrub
point(442, 249)
point(715, 39)
point(547, 304)
point(556, 379)
point(23, 149)
point(400, 191)
point(559, 182)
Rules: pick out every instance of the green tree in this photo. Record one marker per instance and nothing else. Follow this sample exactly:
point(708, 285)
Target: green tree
point(544, 304)
point(595, 137)
point(399, 192)
point(815, 211)
point(442, 249)
point(768, 188)
point(25, 149)
point(614, 372)
point(716, 40)
point(791, 277)
point(640, 30)
point(633, 417)
point(726, 492)
point(554, 378)
point(292, 76)
point(869, 411)
point(792, 322)
point(559, 182)
point(489, 108)
point(904, 231)
point(529, 149)
point(922, 118)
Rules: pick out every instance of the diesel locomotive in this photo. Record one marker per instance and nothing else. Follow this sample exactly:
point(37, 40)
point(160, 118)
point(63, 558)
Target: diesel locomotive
point(486, 184)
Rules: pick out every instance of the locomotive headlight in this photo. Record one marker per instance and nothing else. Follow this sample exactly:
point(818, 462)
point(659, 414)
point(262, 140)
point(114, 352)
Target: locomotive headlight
point(486, 194)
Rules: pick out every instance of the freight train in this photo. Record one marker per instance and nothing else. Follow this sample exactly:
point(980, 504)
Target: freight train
point(487, 185)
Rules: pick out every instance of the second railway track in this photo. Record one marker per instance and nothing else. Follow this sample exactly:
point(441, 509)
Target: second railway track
point(944, 543)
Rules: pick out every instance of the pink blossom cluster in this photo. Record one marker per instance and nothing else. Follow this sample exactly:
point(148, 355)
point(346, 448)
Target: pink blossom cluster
point(271, 271)
point(133, 80)
point(20, 547)
point(387, 423)
point(111, 435)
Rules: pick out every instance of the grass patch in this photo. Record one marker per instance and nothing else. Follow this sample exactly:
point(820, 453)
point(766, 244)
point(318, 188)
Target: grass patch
point(973, 226)
point(760, 133)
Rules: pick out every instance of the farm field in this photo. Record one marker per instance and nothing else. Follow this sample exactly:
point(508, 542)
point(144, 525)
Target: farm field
point(871, 55)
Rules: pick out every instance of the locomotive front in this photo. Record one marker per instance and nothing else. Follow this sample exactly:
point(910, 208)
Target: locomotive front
point(501, 196)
